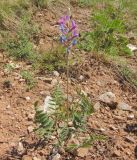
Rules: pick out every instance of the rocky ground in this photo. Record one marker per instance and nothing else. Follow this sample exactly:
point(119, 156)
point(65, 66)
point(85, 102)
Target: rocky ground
point(114, 100)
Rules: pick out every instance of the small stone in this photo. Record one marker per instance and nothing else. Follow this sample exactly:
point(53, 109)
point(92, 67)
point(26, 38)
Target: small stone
point(81, 78)
point(97, 106)
point(102, 129)
point(123, 106)
point(70, 124)
point(27, 98)
point(131, 116)
point(54, 82)
point(53, 137)
point(21, 80)
point(57, 157)
point(132, 47)
point(116, 153)
point(30, 129)
point(108, 98)
point(26, 157)
point(35, 158)
point(55, 73)
point(20, 147)
point(82, 152)
point(8, 107)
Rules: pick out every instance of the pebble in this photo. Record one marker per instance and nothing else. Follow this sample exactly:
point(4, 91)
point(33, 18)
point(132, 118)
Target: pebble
point(116, 153)
point(82, 152)
point(70, 124)
point(30, 129)
point(57, 157)
point(108, 98)
point(8, 106)
point(131, 116)
point(81, 77)
point(21, 80)
point(20, 147)
point(97, 106)
point(54, 82)
point(27, 98)
point(55, 73)
point(132, 47)
point(53, 137)
point(102, 129)
point(123, 106)
point(26, 157)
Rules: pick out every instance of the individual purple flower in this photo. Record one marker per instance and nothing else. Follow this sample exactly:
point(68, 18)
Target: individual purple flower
point(74, 42)
point(74, 33)
point(61, 20)
point(73, 25)
point(67, 18)
point(61, 27)
point(63, 39)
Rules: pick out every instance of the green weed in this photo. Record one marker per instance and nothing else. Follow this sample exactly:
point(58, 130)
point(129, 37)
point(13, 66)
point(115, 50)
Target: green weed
point(52, 60)
point(42, 3)
point(108, 33)
point(129, 75)
point(84, 3)
point(129, 10)
point(20, 45)
point(10, 10)
point(93, 3)
point(29, 79)
point(8, 68)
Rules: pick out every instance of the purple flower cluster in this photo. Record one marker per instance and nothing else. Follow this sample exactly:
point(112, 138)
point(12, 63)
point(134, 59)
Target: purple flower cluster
point(68, 32)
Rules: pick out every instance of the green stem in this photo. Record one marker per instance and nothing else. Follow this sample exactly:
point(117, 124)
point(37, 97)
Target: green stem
point(68, 85)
